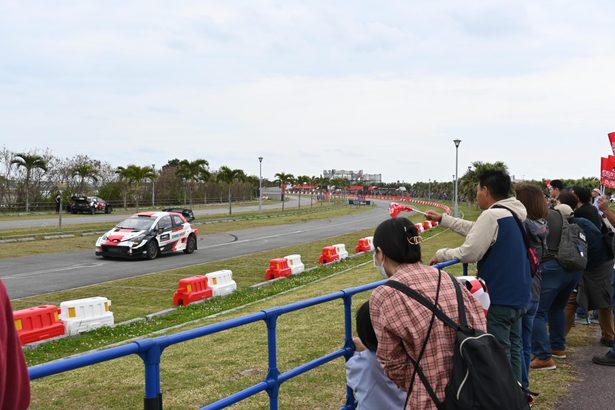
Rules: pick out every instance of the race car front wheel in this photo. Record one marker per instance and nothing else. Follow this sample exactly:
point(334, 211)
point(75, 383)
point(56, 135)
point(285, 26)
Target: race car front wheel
point(151, 252)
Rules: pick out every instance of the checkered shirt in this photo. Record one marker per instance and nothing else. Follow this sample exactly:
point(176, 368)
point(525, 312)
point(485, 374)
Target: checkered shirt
point(401, 326)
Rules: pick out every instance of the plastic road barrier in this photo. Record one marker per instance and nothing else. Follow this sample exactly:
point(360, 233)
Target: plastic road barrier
point(426, 225)
point(329, 254)
point(82, 315)
point(278, 268)
point(38, 323)
point(221, 282)
point(191, 290)
point(365, 244)
point(341, 250)
point(477, 288)
point(295, 264)
point(419, 228)
point(434, 224)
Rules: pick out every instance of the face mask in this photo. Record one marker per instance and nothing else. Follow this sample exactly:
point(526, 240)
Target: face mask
point(380, 268)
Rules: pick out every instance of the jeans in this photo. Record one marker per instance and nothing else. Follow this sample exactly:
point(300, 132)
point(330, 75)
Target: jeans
point(557, 285)
point(504, 322)
point(527, 324)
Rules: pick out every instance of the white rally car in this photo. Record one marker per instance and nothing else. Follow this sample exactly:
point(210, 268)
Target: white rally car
point(148, 234)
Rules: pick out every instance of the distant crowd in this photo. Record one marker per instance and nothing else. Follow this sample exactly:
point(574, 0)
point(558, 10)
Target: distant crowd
point(547, 261)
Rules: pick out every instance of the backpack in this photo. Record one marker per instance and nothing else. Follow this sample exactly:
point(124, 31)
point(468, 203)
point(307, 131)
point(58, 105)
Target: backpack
point(481, 377)
point(572, 252)
point(532, 257)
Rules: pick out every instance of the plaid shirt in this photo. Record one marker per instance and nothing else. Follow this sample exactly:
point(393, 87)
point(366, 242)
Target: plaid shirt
point(401, 326)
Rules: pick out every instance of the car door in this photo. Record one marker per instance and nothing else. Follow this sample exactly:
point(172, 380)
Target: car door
point(179, 232)
point(165, 227)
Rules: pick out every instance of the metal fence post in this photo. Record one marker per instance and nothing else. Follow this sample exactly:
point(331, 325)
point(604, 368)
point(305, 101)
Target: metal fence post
point(273, 372)
point(150, 353)
point(348, 345)
point(465, 269)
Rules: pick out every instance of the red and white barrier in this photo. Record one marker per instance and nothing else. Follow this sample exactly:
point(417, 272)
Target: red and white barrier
point(221, 282)
point(83, 315)
point(341, 250)
point(295, 264)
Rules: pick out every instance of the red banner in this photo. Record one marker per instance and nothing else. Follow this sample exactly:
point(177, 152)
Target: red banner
point(607, 171)
point(612, 141)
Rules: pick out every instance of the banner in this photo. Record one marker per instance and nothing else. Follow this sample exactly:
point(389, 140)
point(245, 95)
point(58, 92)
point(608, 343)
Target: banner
point(607, 171)
point(612, 141)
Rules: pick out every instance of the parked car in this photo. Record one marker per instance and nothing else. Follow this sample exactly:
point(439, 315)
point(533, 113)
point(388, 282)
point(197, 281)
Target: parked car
point(88, 204)
point(186, 212)
point(148, 234)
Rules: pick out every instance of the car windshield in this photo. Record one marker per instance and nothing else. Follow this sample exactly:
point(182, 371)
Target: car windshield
point(137, 223)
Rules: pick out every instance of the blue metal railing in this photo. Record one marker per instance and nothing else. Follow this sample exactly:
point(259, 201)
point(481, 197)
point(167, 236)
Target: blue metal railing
point(150, 350)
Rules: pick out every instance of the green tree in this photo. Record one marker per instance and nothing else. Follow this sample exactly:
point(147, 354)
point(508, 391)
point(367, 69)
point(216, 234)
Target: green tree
point(84, 171)
point(30, 162)
point(469, 181)
point(283, 179)
point(133, 176)
point(192, 172)
point(230, 176)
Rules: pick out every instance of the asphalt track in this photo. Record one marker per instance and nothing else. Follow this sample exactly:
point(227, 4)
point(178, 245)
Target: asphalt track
point(33, 275)
point(111, 218)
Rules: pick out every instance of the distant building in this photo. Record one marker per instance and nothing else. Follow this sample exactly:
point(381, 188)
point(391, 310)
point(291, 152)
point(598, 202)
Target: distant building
point(352, 176)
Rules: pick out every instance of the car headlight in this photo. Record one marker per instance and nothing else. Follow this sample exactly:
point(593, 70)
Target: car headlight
point(104, 238)
point(136, 241)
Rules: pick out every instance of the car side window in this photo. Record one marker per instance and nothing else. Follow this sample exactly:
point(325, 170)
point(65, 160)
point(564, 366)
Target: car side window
point(177, 221)
point(165, 223)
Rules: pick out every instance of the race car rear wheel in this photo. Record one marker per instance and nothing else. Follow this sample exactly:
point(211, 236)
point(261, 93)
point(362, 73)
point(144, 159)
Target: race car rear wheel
point(152, 249)
point(190, 244)
point(93, 210)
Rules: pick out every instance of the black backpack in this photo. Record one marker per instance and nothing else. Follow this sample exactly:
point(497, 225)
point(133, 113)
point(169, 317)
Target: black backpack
point(573, 248)
point(482, 377)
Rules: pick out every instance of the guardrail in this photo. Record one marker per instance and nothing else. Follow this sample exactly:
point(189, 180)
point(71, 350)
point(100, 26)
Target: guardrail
point(150, 350)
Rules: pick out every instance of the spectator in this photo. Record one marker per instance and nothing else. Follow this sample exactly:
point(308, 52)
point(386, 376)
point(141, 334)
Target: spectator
point(58, 200)
point(496, 243)
point(595, 195)
point(556, 187)
point(594, 288)
point(532, 197)
point(402, 325)
point(14, 379)
point(584, 207)
point(556, 287)
point(609, 358)
point(364, 374)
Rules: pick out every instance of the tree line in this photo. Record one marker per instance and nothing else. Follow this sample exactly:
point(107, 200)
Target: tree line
point(31, 179)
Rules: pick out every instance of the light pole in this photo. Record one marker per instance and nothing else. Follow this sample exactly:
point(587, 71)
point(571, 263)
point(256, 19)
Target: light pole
point(260, 183)
point(153, 186)
point(457, 142)
point(429, 190)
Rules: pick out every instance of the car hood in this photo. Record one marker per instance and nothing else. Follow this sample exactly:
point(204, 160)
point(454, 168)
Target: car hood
point(118, 235)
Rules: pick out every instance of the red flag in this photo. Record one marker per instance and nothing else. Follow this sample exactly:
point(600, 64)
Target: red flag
point(607, 173)
point(612, 141)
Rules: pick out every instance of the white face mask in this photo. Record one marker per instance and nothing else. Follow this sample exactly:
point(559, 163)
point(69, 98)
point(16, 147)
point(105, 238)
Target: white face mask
point(379, 267)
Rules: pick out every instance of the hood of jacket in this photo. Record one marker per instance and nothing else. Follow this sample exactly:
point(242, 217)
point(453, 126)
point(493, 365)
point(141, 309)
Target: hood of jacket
point(515, 206)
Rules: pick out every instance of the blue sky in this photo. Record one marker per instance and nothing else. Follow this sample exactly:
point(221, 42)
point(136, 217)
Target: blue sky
point(379, 86)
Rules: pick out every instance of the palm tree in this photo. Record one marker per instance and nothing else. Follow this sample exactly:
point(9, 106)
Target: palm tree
point(85, 171)
point(283, 179)
point(229, 176)
point(301, 180)
point(30, 163)
point(191, 172)
point(135, 175)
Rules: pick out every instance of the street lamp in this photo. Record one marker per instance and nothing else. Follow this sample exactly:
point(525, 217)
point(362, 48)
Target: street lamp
point(260, 183)
point(153, 186)
point(429, 190)
point(456, 212)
